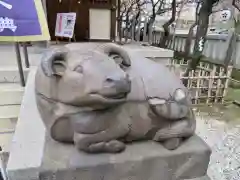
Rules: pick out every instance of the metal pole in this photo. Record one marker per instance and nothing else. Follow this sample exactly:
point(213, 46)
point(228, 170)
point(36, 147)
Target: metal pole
point(3, 173)
point(19, 62)
point(25, 52)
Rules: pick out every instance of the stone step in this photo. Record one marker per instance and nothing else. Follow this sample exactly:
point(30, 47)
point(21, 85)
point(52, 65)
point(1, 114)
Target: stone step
point(11, 60)
point(7, 125)
point(8, 120)
point(5, 141)
point(11, 93)
point(10, 74)
point(9, 111)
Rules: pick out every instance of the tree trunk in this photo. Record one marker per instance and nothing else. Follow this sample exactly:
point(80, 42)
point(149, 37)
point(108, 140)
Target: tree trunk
point(204, 13)
point(120, 35)
point(187, 47)
point(137, 22)
point(127, 27)
point(119, 20)
point(166, 33)
point(149, 27)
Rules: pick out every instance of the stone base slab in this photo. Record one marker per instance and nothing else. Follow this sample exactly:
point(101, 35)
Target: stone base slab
point(201, 178)
point(140, 161)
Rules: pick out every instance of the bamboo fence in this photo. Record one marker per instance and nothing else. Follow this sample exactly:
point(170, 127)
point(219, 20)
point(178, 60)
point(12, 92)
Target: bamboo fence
point(208, 84)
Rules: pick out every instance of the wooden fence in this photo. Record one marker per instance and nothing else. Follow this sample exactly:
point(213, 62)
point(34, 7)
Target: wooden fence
point(208, 84)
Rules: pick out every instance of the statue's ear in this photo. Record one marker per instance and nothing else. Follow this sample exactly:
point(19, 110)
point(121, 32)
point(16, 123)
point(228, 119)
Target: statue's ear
point(54, 62)
point(119, 54)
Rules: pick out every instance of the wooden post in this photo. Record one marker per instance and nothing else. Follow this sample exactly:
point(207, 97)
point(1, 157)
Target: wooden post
point(206, 73)
point(74, 37)
point(57, 40)
point(210, 84)
point(229, 73)
point(198, 86)
point(219, 85)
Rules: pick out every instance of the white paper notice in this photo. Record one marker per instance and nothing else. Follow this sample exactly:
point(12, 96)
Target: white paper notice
point(65, 25)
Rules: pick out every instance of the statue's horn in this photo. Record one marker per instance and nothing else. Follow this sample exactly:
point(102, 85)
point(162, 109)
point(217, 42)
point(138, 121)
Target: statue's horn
point(52, 57)
point(111, 48)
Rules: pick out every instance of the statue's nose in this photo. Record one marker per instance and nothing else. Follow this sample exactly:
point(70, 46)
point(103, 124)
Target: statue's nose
point(122, 84)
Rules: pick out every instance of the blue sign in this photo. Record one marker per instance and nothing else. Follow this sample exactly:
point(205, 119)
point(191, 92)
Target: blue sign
point(22, 20)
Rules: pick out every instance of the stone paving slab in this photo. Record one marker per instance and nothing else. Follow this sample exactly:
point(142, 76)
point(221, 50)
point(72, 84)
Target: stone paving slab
point(224, 140)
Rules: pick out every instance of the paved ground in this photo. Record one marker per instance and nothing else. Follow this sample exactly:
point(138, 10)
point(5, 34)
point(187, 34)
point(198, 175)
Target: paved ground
point(224, 140)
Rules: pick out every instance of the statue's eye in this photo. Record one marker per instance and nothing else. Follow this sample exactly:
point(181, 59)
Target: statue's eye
point(78, 69)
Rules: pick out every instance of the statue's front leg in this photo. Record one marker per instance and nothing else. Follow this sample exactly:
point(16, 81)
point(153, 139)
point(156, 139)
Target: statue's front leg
point(104, 141)
point(112, 146)
point(171, 136)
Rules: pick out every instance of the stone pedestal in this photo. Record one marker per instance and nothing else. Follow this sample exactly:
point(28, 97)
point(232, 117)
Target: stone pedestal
point(140, 161)
point(159, 55)
point(35, 156)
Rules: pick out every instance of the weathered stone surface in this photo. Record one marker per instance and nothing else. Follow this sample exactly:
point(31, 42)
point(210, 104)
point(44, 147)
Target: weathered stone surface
point(140, 161)
point(102, 98)
point(28, 141)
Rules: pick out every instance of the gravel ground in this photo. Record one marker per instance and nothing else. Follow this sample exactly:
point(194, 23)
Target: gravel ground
point(224, 140)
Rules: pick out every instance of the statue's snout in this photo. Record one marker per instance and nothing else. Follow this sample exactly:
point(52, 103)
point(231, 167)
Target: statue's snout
point(121, 84)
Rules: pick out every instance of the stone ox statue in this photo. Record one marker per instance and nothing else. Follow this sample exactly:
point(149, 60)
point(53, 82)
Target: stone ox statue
point(101, 99)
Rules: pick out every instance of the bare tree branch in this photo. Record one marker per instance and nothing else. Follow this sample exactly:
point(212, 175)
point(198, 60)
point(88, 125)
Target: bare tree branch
point(164, 10)
point(128, 10)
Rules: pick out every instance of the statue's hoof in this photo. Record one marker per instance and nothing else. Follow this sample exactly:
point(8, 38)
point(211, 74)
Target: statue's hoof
point(172, 144)
point(115, 146)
